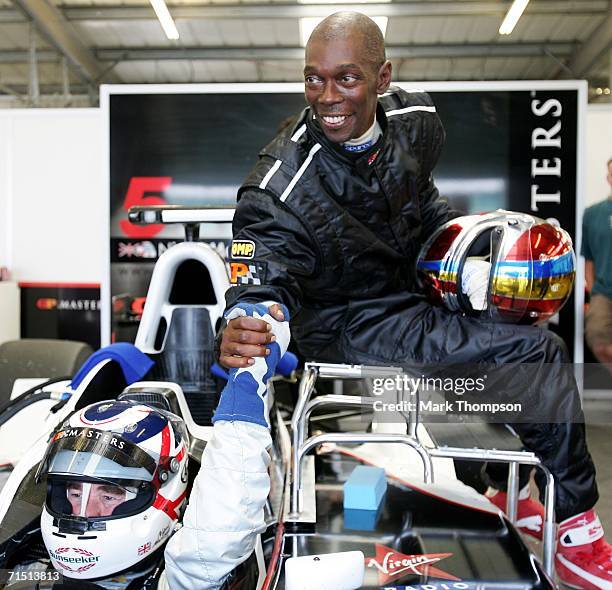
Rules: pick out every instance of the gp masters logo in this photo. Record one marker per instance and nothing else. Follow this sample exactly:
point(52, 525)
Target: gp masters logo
point(51, 303)
point(392, 565)
point(46, 303)
point(244, 249)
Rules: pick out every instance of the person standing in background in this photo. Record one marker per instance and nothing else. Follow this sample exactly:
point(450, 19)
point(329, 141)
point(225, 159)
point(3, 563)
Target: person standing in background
point(597, 251)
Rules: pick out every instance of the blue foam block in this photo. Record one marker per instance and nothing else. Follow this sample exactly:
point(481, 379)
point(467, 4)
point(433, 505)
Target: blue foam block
point(365, 488)
point(361, 520)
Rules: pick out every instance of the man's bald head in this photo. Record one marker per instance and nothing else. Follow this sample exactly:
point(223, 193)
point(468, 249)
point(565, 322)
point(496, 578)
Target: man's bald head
point(357, 26)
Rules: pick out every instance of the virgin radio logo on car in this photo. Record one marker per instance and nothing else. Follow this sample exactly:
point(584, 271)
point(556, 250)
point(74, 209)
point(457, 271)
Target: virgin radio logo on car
point(392, 565)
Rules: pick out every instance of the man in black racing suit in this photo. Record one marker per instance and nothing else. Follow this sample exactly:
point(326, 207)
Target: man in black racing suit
point(330, 222)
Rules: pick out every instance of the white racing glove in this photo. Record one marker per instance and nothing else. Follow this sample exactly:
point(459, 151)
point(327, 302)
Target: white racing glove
point(475, 282)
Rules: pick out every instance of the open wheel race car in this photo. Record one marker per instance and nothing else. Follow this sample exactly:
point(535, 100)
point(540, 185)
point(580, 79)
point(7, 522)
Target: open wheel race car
point(428, 530)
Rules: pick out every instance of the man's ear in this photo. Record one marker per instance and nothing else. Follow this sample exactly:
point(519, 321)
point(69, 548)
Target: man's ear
point(384, 77)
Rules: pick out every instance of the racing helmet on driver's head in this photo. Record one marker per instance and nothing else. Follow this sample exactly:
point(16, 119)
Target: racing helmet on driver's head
point(116, 483)
point(532, 265)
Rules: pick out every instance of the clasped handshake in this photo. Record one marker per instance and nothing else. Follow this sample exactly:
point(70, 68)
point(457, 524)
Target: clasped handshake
point(246, 338)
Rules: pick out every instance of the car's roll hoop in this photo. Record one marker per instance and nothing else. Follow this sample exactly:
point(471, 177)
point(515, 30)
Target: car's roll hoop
point(305, 406)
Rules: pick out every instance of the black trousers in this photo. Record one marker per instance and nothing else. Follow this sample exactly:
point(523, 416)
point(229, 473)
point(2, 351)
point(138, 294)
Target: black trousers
point(524, 364)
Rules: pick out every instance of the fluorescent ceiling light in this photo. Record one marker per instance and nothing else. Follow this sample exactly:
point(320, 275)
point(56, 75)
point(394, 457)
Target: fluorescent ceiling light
point(512, 16)
point(165, 19)
point(339, 1)
point(308, 24)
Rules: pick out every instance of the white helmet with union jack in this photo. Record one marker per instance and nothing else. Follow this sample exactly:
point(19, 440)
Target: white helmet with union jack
point(116, 483)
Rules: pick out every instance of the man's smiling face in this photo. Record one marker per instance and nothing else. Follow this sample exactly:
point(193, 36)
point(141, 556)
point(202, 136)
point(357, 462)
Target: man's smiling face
point(341, 86)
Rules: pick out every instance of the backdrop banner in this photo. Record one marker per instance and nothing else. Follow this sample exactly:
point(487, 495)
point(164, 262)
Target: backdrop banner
point(509, 145)
point(63, 311)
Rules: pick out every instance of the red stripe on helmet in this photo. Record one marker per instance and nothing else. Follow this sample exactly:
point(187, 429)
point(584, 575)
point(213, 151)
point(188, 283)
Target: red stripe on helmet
point(169, 506)
point(165, 445)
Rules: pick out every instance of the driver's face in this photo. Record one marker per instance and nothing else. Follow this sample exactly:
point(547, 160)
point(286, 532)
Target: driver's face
point(102, 500)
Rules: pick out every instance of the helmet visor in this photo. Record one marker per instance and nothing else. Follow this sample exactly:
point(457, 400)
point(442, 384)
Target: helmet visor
point(81, 498)
point(90, 453)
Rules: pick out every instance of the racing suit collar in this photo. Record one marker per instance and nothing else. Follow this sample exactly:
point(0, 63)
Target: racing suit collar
point(359, 159)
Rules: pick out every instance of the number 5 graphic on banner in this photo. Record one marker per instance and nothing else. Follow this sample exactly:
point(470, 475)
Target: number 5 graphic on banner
point(137, 195)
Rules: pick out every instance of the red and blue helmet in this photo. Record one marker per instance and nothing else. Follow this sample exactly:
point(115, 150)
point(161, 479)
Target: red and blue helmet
point(532, 272)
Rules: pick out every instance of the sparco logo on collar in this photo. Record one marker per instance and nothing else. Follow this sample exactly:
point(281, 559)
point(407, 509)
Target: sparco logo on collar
point(244, 249)
point(392, 565)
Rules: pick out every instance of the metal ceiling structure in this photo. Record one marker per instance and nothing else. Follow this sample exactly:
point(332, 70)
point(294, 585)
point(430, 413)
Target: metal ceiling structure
point(57, 52)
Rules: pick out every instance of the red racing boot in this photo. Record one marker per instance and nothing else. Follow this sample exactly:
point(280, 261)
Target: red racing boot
point(583, 559)
point(530, 517)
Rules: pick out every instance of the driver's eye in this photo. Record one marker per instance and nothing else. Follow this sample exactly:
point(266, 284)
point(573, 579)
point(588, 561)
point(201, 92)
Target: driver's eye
point(112, 498)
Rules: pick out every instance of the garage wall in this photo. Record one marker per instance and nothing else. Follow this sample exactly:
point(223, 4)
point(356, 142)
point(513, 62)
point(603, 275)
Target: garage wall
point(598, 151)
point(5, 165)
point(53, 203)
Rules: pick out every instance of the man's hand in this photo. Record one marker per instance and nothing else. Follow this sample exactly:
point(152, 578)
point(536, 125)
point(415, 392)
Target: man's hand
point(246, 337)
